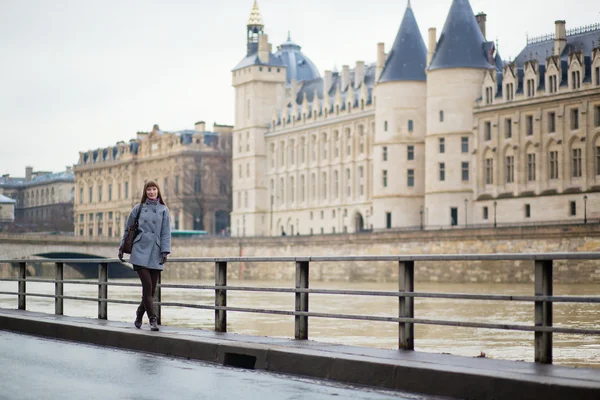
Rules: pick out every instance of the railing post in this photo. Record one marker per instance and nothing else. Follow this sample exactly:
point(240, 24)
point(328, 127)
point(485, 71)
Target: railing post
point(221, 296)
point(543, 311)
point(157, 299)
point(301, 321)
point(102, 291)
point(22, 286)
point(406, 305)
point(58, 289)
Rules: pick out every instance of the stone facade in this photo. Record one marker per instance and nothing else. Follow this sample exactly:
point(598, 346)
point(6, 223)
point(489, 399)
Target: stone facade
point(384, 145)
point(192, 168)
point(43, 200)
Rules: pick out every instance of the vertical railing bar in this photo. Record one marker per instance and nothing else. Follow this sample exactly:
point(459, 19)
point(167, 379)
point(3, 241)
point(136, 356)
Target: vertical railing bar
point(102, 291)
point(406, 305)
point(543, 311)
point(22, 299)
point(301, 300)
point(157, 299)
point(221, 296)
point(59, 289)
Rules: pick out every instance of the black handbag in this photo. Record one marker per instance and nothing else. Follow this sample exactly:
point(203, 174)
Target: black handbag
point(132, 232)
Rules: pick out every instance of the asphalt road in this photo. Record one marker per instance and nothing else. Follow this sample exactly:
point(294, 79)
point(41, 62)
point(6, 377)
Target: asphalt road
point(36, 368)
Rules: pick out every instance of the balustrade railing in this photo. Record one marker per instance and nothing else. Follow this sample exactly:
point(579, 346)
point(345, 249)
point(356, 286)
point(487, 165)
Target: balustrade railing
point(406, 319)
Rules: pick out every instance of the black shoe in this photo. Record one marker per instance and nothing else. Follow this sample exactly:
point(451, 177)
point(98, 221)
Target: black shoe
point(153, 324)
point(138, 321)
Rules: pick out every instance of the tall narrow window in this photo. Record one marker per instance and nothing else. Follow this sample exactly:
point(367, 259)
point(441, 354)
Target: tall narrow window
point(126, 190)
point(464, 144)
point(489, 171)
point(91, 192)
point(324, 185)
point(597, 160)
point(510, 169)
point(302, 187)
point(596, 116)
point(576, 163)
point(410, 153)
point(527, 210)
point(348, 142)
point(410, 178)
point(384, 177)
point(336, 184)
point(80, 195)
point(529, 125)
point(531, 167)
point(487, 130)
point(553, 164)
point(385, 153)
point(551, 122)
point(110, 190)
point(574, 119)
point(508, 128)
point(442, 145)
point(410, 125)
point(441, 115)
point(465, 171)
point(442, 171)
point(385, 126)
point(361, 177)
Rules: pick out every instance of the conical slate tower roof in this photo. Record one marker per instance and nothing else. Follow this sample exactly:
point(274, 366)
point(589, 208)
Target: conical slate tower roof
point(408, 57)
point(255, 18)
point(461, 42)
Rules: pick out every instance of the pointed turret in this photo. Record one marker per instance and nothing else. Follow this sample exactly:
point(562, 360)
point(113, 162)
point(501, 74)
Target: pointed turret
point(255, 27)
point(408, 57)
point(461, 44)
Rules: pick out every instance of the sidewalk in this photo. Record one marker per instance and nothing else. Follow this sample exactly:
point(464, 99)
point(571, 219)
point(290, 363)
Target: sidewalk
point(435, 374)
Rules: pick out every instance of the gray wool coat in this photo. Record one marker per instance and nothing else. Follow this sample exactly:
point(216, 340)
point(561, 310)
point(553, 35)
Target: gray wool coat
point(154, 238)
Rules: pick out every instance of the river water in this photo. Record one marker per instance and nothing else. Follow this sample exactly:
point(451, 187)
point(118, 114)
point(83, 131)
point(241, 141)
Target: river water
point(572, 350)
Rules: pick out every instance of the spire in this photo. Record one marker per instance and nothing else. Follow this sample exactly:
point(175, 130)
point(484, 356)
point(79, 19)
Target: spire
point(461, 44)
point(289, 36)
point(408, 56)
point(255, 18)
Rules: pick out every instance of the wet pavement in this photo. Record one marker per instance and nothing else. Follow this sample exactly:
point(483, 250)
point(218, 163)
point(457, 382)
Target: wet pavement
point(38, 368)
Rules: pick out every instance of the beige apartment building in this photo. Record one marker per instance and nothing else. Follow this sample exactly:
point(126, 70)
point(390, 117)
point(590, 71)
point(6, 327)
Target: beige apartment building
point(443, 135)
point(43, 200)
point(192, 168)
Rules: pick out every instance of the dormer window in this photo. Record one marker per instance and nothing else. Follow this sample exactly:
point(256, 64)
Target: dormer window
point(553, 84)
point(489, 95)
point(530, 87)
point(575, 79)
point(509, 91)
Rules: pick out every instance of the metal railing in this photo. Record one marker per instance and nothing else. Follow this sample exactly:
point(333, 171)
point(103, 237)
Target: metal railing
point(543, 298)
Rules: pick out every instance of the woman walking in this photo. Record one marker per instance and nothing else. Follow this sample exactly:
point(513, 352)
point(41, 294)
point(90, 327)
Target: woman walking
point(150, 248)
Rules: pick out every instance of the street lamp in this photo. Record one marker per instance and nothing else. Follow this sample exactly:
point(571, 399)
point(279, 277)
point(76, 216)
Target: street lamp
point(466, 212)
point(495, 204)
point(421, 217)
point(585, 209)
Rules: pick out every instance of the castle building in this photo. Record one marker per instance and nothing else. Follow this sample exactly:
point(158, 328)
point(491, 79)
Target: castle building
point(43, 201)
point(192, 168)
point(428, 137)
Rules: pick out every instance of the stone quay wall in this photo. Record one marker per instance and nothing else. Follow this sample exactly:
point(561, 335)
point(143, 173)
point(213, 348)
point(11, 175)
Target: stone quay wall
point(572, 238)
point(532, 239)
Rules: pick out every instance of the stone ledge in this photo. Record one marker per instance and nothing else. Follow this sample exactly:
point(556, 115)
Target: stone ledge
point(435, 374)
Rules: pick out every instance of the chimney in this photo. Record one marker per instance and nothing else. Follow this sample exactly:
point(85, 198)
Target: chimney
point(380, 59)
point(345, 76)
point(359, 73)
point(263, 48)
point(560, 37)
point(431, 46)
point(327, 81)
point(28, 173)
point(200, 126)
point(481, 18)
point(69, 169)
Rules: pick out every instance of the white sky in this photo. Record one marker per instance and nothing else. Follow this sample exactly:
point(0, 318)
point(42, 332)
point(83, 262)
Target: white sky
point(81, 74)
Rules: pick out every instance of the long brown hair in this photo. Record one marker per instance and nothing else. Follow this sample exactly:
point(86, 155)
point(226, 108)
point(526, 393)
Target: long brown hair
point(145, 196)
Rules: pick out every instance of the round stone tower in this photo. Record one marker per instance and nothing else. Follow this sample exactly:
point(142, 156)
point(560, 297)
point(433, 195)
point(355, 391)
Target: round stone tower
point(454, 79)
point(400, 112)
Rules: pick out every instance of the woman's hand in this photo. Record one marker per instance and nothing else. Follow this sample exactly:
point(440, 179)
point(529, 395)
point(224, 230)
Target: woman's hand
point(121, 255)
point(164, 259)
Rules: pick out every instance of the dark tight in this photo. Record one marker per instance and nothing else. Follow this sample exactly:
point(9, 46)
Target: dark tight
point(149, 278)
